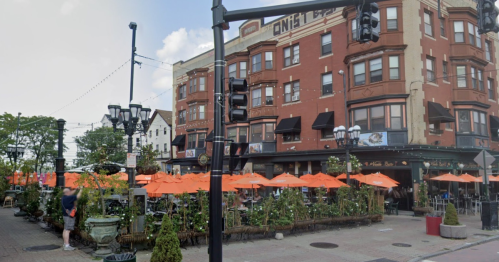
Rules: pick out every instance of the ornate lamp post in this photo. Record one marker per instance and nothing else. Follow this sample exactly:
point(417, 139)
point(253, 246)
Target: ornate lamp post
point(131, 124)
point(347, 140)
point(14, 152)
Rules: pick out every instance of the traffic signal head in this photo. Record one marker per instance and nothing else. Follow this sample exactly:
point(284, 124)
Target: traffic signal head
point(487, 16)
point(367, 22)
point(237, 102)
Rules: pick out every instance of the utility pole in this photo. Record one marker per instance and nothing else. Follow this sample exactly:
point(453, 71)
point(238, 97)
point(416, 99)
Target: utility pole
point(17, 137)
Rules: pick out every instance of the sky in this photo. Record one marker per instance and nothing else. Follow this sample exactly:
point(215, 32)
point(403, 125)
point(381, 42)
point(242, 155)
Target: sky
point(69, 59)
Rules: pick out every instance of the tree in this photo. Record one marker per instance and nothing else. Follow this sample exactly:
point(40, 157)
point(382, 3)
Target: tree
point(451, 215)
point(6, 171)
point(90, 143)
point(167, 248)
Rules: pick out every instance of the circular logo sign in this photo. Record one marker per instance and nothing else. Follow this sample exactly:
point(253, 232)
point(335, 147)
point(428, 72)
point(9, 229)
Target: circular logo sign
point(203, 159)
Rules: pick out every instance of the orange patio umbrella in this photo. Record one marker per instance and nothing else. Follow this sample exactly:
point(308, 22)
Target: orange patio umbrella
point(142, 182)
point(286, 180)
point(450, 178)
point(376, 180)
point(50, 179)
point(387, 177)
point(308, 177)
point(491, 179)
point(190, 176)
point(326, 181)
point(173, 188)
point(250, 181)
point(144, 178)
point(251, 175)
point(470, 178)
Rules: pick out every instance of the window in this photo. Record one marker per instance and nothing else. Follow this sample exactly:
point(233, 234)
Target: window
point(442, 27)
point(478, 38)
point(360, 118)
point(459, 31)
point(479, 123)
point(191, 141)
point(430, 69)
point(488, 48)
point(474, 83)
point(150, 133)
point(376, 70)
point(157, 132)
point(202, 81)
point(269, 132)
point(464, 121)
point(232, 135)
point(461, 76)
point(192, 113)
point(359, 72)
point(354, 30)
point(243, 135)
point(490, 87)
point(165, 147)
point(326, 46)
point(164, 131)
point(377, 118)
point(291, 55)
point(391, 18)
point(256, 133)
point(256, 98)
point(181, 117)
point(290, 137)
point(428, 23)
point(137, 141)
point(480, 80)
point(268, 60)
point(256, 63)
point(242, 69)
point(181, 92)
point(192, 85)
point(327, 133)
point(396, 116)
point(292, 92)
point(233, 70)
point(201, 138)
point(444, 69)
point(181, 148)
point(157, 147)
point(269, 96)
point(327, 84)
point(394, 67)
point(435, 127)
point(471, 33)
point(201, 111)
point(448, 126)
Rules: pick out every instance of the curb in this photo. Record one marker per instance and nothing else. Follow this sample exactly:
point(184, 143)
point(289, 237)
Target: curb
point(454, 249)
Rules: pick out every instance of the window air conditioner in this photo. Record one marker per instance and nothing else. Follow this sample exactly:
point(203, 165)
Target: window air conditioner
point(295, 98)
point(296, 60)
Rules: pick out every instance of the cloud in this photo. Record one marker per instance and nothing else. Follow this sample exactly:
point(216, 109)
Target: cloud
point(68, 6)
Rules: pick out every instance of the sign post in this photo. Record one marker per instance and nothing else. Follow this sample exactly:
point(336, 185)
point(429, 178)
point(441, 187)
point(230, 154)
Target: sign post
point(489, 209)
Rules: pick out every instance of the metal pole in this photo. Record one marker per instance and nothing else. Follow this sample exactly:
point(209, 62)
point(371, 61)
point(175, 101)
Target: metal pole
point(215, 242)
point(132, 26)
point(17, 136)
point(347, 140)
point(131, 177)
point(485, 179)
point(59, 161)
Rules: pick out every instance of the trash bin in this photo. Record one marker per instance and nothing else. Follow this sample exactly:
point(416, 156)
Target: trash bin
point(121, 258)
point(433, 225)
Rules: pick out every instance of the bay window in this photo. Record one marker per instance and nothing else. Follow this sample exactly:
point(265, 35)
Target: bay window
point(233, 70)
point(376, 70)
point(256, 97)
point(359, 72)
point(256, 63)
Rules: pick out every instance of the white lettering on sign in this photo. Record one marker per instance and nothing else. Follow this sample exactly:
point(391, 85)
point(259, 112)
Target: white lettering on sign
point(296, 20)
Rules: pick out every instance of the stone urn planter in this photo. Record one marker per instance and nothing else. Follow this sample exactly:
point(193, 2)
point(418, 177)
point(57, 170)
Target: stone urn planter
point(457, 232)
point(147, 170)
point(103, 231)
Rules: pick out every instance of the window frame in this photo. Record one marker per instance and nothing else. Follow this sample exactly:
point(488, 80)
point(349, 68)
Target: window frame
point(290, 137)
point(191, 144)
point(201, 143)
point(232, 68)
point(443, 32)
point(371, 71)
point(164, 131)
point(202, 112)
point(256, 66)
point(430, 25)
point(202, 84)
point(401, 117)
point(474, 78)
point(324, 85)
point(271, 100)
point(243, 72)
point(393, 68)
point(355, 74)
point(327, 48)
point(430, 73)
point(445, 70)
point(488, 50)
point(471, 33)
point(182, 117)
point(182, 92)
point(490, 88)
point(373, 119)
point(271, 61)
point(252, 138)
point(459, 34)
point(388, 19)
point(292, 55)
point(253, 98)
point(461, 77)
point(366, 119)
point(292, 85)
point(192, 112)
point(355, 34)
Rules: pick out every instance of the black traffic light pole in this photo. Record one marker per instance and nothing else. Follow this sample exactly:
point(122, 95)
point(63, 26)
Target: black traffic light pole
point(221, 18)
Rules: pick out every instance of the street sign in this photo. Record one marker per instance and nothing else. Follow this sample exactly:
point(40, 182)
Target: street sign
point(131, 160)
point(489, 159)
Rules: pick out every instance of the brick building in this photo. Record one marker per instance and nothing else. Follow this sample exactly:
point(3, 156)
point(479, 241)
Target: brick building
point(426, 91)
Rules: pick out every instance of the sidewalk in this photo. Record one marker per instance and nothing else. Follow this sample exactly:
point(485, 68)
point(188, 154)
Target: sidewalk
point(364, 243)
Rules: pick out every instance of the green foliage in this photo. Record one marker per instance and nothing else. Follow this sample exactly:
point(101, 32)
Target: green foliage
point(148, 156)
point(423, 195)
point(32, 197)
point(92, 141)
point(167, 248)
point(53, 207)
point(201, 212)
point(6, 170)
point(320, 208)
point(334, 165)
point(150, 227)
point(183, 211)
point(451, 215)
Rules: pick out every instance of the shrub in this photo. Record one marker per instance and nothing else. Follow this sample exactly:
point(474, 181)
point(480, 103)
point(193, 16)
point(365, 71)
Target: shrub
point(167, 247)
point(451, 216)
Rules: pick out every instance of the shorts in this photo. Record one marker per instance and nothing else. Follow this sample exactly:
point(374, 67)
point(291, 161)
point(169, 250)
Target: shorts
point(69, 223)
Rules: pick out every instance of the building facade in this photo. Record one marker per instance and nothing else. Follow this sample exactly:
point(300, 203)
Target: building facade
point(159, 135)
point(425, 92)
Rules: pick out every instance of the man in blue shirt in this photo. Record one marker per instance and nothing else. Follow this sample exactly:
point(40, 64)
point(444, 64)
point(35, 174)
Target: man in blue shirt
point(68, 203)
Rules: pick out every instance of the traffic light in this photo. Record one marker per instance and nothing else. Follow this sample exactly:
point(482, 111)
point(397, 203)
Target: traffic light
point(235, 159)
point(236, 101)
point(366, 23)
point(487, 16)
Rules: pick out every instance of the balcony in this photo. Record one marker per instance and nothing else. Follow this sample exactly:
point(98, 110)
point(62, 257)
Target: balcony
point(377, 89)
point(262, 77)
point(200, 96)
point(262, 111)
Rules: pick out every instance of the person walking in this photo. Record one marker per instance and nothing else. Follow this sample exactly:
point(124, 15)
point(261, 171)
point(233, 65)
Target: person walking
point(68, 204)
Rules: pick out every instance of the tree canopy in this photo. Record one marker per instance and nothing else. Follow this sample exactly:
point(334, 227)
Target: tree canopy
point(92, 143)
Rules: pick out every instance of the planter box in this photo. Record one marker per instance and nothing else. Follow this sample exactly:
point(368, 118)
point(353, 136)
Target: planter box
point(457, 232)
point(433, 225)
point(283, 228)
point(184, 235)
point(304, 223)
point(256, 229)
point(325, 220)
point(236, 230)
point(422, 211)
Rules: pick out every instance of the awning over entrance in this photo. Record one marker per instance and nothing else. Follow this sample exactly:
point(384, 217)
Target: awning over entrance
point(289, 125)
point(209, 138)
point(436, 112)
point(494, 122)
point(324, 120)
point(179, 140)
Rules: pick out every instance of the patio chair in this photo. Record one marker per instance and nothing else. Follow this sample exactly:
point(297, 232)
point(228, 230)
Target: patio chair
point(8, 202)
point(393, 207)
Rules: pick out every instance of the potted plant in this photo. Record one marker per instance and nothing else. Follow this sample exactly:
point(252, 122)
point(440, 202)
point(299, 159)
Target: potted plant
point(101, 227)
point(422, 203)
point(100, 156)
point(167, 248)
point(451, 228)
point(147, 164)
point(32, 197)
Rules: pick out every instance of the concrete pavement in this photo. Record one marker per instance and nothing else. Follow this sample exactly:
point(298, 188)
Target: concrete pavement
point(487, 252)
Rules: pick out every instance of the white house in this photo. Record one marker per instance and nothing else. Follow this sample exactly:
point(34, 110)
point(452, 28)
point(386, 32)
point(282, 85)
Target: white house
point(159, 135)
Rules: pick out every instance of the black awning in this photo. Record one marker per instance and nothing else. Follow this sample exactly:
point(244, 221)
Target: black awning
point(289, 125)
point(179, 141)
point(324, 120)
point(436, 112)
point(494, 122)
point(209, 138)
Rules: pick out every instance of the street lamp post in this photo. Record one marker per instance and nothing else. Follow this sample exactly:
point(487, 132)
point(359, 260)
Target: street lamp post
point(14, 152)
point(59, 161)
